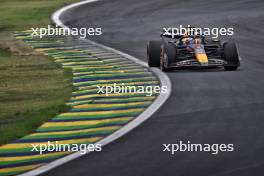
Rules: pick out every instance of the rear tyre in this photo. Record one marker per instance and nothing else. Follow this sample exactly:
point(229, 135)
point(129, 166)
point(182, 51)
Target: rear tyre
point(168, 54)
point(163, 63)
point(231, 56)
point(153, 53)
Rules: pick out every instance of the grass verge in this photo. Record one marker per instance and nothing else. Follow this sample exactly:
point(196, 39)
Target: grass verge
point(33, 88)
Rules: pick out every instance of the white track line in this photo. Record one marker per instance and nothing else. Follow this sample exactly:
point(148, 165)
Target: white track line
point(159, 101)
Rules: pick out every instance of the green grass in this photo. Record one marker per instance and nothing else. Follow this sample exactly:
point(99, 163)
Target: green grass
point(24, 14)
point(33, 88)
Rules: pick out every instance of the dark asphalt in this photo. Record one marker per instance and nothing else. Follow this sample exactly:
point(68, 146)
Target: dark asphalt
point(206, 106)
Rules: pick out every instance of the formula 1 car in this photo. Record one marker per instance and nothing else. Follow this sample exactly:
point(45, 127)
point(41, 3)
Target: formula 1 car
point(191, 51)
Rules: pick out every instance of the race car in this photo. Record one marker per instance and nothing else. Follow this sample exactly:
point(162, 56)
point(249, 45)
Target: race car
point(191, 51)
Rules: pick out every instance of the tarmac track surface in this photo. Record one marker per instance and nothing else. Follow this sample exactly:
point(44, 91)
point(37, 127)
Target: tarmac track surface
point(206, 106)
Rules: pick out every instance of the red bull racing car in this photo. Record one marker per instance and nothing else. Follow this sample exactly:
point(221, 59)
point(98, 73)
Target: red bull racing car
point(191, 51)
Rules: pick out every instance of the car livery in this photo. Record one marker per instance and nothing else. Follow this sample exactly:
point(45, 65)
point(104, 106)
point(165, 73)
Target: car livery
point(191, 51)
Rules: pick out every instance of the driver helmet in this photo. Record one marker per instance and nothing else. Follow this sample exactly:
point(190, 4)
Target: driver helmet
point(189, 40)
point(198, 41)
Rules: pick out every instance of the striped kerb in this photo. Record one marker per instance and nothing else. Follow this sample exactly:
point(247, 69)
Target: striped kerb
point(92, 116)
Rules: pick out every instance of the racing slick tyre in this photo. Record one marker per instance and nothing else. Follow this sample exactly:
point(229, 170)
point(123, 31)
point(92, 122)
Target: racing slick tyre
point(153, 53)
point(231, 56)
point(168, 54)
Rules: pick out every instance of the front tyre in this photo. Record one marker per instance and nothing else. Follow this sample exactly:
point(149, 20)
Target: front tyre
point(153, 53)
